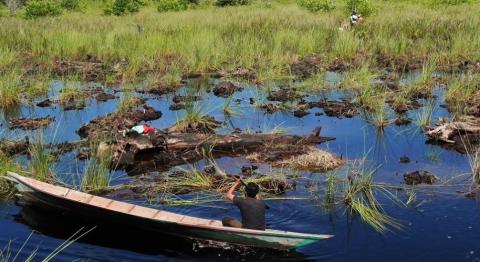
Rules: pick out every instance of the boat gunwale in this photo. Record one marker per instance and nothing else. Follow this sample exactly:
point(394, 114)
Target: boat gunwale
point(271, 233)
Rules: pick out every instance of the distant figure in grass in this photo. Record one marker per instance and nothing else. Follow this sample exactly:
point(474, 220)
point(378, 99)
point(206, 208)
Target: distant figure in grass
point(252, 209)
point(355, 19)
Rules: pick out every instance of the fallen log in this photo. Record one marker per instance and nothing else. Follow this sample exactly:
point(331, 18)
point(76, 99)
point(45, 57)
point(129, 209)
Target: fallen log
point(458, 135)
point(180, 144)
point(160, 151)
point(447, 132)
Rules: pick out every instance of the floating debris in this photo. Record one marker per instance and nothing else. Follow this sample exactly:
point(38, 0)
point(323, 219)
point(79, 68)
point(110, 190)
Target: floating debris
point(420, 177)
point(404, 159)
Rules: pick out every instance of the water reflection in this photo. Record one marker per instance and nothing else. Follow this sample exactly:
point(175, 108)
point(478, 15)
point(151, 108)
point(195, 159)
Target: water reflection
point(140, 241)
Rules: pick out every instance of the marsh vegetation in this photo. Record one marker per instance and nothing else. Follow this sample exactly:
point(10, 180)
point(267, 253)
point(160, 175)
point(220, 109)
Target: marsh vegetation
point(258, 89)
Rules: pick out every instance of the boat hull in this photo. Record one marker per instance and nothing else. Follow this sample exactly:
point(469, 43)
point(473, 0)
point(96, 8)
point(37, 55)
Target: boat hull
point(253, 238)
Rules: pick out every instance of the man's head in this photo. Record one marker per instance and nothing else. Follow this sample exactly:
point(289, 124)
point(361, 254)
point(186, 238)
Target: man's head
point(251, 190)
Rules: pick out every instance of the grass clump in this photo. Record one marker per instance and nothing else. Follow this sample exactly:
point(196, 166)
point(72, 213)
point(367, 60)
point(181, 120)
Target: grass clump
point(171, 5)
point(379, 116)
point(185, 181)
point(428, 69)
point(326, 192)
point(461, 89)
point(229, 110)
point(97, 174)
point(425, 116)
point(195, 179)
point(72, 91)
point(345, 46)
point(358, 193)
point(6, 164)
point(40, 160)
point(317, 5)
point(360, 198)
point(36, 86)
point(40, 8)
point(128, 102)
point(7, 58)
point(10, 89)
point(195, 119)
point(359, 78)
point(474, 161)
point(473, 156)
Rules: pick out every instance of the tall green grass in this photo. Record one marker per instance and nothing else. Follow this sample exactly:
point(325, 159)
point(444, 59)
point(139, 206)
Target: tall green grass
point(425, 115)
point(195, 115)
point(265, 39)
point(6, 164)
point(128, 101)
point(359, 78)
point(380, 114)
point(10, 88)
point(360, 197)
point(461, 90)
point(359, 194)
point(72, 91)
point(97, 175)
point(40, 161)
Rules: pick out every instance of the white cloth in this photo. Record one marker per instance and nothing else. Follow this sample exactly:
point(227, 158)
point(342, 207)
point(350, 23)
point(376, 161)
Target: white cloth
point(353, 19)
point(139, 129)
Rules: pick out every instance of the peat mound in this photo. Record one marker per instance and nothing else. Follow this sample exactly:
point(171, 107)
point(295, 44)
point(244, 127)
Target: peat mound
point(31, 123)
point(420, 177)
point(117, 122)
point(225, 89)
point(337, 109)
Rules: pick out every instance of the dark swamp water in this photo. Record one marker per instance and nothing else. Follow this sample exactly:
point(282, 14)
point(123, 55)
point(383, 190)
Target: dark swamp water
point(441, 225)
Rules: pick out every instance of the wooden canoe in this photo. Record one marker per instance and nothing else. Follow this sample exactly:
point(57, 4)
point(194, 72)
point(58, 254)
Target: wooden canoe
point(47, 195)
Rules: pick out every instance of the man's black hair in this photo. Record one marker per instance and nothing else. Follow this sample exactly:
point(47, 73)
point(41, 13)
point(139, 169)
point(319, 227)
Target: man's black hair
point(252, 189)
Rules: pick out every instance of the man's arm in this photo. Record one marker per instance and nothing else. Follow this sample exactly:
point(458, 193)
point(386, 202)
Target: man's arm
point(230, 192)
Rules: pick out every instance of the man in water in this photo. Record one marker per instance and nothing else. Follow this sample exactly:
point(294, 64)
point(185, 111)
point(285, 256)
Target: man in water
point(252, 209)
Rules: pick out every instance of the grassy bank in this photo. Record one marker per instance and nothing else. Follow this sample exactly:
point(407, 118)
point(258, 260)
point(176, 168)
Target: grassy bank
point(266, 38)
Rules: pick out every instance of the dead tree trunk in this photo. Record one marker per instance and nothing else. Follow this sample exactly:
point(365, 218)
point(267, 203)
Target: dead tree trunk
point(462, 136)
point(154, 152)
point(447, 132)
